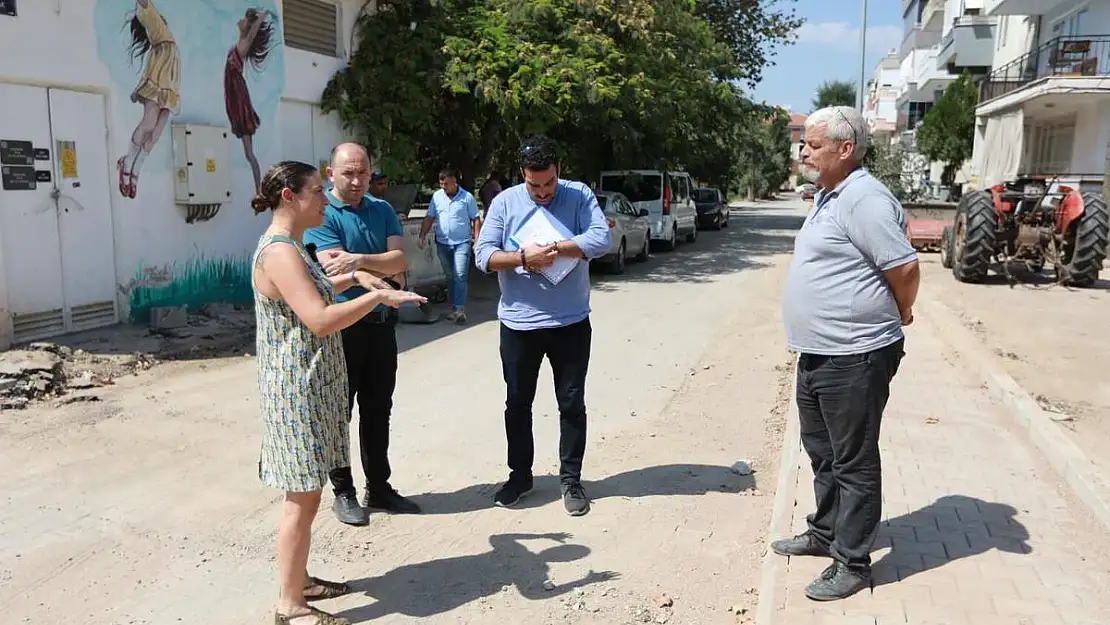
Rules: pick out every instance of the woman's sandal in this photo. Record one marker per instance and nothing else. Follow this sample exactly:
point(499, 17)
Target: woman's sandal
point(328, 590)
point(322, 618)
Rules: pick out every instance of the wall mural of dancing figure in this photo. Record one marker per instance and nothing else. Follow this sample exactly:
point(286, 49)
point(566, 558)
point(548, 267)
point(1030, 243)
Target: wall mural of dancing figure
point(158, 90)
point(256, 34)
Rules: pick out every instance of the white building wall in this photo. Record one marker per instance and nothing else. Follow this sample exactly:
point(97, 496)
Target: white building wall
point(158, 258)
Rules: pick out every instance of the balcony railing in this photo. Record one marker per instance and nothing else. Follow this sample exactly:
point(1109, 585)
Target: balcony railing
point(1059, 57)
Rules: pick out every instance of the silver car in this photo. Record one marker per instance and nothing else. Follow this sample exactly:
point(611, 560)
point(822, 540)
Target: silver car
point(629, 231)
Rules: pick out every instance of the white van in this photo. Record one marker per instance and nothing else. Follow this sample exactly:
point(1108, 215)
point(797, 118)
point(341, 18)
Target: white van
point(666, 195)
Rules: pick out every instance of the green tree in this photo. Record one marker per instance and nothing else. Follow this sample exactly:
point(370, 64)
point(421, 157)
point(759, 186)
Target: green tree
point(628, 83)
point(751, 29)
point(947, 133)
point(835, 93)
point(887, 163)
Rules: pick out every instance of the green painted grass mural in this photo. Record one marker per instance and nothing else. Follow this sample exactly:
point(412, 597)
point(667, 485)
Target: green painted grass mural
point(193, 284)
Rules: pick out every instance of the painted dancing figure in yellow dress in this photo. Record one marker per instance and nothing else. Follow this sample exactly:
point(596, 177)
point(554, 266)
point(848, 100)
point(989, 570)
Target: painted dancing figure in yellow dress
point(159, 89)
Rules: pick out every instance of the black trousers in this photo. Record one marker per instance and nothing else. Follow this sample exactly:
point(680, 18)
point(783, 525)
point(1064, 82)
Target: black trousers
point(840, 403)
point(522, 351)
point(371, 353)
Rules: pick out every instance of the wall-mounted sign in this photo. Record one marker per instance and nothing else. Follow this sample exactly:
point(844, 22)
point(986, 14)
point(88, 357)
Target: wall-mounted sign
point(43, 175)
point(42, 154)
point(17, 178)
point(16, 152)
point(7, 7)
point(210, 165)
point(67, 156)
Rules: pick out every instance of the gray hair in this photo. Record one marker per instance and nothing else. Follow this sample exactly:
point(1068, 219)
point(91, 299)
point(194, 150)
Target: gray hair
point(843, 123)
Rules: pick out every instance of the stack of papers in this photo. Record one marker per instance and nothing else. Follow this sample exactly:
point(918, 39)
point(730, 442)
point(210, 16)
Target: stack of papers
point(542, 228)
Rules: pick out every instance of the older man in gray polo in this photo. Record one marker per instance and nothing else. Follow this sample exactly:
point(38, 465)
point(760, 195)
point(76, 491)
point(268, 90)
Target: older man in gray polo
point(851, 287)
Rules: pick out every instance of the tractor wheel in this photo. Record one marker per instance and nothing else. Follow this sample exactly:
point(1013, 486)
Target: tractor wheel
point(1085, 244)
point(947, 247)
point(974, 236)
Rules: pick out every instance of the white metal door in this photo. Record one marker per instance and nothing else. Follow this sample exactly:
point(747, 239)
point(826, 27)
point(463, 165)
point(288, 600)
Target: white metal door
point(327, 132)
point(28, 218)
point(84, 207)
point(296, 132)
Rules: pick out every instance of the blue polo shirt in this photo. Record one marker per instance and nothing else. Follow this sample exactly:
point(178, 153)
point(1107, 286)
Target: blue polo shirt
point(836, 300)
point(362, 229)
point(454, 216)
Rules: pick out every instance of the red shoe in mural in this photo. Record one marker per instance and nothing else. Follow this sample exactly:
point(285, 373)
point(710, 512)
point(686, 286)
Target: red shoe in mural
point(124, 177)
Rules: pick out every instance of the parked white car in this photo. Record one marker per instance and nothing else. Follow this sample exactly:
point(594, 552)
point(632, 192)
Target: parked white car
point(629, 231)
point(667, 196)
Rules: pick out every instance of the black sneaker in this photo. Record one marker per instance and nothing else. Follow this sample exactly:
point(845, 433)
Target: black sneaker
point(804, 544)
point(390, 500)
point(575, 500)
point(348, 511)
point(838, 582)
point(511, 492)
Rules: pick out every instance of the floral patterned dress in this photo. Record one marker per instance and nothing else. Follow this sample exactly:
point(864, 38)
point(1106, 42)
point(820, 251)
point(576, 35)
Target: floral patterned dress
point(302, 383)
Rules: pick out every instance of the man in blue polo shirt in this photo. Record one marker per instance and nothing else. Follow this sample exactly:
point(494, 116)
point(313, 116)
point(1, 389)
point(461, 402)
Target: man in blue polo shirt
point(363, 232)
point(454, 213)
point(539, 318)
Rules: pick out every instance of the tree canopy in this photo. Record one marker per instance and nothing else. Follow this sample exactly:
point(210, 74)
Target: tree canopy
point(947, 133)
point(619, 83)
point(835, 93)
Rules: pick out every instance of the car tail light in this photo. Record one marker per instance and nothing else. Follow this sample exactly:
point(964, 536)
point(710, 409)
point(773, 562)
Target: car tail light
point(667, 199)
point(612, 223)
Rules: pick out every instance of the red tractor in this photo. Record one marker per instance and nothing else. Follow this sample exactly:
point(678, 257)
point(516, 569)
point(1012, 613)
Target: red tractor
point(1033, 222)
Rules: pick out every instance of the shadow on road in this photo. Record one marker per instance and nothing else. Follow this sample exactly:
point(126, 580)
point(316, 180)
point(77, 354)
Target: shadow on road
point(439, 586)
point(663, 480)
point(951, 528)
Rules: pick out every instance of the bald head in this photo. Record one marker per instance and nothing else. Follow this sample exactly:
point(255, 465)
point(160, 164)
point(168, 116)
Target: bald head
point(350, 172)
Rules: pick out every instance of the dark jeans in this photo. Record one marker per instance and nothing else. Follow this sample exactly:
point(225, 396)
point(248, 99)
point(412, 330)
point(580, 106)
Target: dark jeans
point(371, 353)
point(568, 350)
point(840, 404)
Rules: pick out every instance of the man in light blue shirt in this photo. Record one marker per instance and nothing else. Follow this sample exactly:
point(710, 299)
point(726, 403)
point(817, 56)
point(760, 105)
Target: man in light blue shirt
point(539, 318)
point(454, 213)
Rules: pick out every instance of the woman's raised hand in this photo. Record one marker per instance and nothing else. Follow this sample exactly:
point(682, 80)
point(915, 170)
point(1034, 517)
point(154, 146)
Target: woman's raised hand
point(394, 298)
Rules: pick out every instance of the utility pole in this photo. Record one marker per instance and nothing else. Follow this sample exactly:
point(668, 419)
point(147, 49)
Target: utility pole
point(862, 58)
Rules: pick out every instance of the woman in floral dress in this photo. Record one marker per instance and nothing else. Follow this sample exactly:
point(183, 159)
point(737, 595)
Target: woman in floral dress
point(302, 375)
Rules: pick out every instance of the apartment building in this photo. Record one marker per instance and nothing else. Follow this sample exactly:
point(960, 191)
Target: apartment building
point(881, 108)
point(1044, 110)
point(130, 147)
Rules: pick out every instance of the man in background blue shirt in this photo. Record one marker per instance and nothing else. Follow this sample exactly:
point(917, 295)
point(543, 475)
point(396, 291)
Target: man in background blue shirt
point(454, 213)
point(363, 232)
point(541, 319)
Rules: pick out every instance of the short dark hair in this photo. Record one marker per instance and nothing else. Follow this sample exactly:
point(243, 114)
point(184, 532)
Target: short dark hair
point(538, 153)
point(447, 172)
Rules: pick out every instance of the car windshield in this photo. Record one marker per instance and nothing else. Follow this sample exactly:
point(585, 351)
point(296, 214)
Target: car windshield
point(705, 195)
point(603, 201)
point(635, 187)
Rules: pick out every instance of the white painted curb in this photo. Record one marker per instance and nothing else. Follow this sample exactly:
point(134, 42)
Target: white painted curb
point(1062, 453)
point(773, 569)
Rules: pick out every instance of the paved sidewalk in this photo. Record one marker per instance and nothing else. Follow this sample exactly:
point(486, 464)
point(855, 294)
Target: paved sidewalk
point(976, 527)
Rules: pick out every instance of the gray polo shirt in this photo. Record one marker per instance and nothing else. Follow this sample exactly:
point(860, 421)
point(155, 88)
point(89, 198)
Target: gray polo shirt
point(836, 300)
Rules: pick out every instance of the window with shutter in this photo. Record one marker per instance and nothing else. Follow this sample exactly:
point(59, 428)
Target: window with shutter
point(311, 25)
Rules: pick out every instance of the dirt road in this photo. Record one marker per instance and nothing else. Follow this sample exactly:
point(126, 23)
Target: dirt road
point(1051, 339)
point(145, 508)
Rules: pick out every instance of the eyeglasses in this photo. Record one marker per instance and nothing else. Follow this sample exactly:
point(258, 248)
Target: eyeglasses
point(845, 118)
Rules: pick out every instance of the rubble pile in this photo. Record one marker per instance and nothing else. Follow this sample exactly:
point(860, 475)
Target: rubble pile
point(45, 370)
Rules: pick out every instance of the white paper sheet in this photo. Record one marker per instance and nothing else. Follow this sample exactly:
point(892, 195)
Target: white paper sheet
point(542, 228)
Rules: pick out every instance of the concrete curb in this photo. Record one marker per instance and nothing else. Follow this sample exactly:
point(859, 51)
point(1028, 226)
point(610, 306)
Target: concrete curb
point(773, 568)
point(1062, 453)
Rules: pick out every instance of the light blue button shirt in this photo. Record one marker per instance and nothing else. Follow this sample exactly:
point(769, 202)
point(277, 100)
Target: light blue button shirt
point(529, 301)
point(453, 216)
